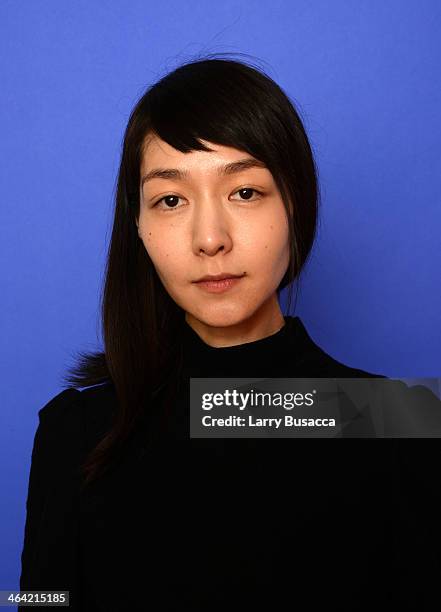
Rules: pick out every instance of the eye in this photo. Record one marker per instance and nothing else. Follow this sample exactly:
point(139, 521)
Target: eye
point(171, 201)
point(168, 197)
point(247, 191)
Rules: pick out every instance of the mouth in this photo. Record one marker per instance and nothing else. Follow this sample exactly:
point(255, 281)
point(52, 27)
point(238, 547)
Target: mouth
point(218, 277)
point(220, 285)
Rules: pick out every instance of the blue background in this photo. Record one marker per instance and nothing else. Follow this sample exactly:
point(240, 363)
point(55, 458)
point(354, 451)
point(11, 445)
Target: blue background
point(365, 76)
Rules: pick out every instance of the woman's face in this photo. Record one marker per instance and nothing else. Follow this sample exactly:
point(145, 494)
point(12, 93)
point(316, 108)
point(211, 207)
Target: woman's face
point(207, 225)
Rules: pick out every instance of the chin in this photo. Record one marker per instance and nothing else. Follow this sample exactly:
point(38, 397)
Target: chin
point(221, 316)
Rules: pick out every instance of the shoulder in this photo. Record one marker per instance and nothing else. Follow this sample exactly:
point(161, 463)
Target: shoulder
point(314, 362)
point(60, 408)
point(74, 416)
point(60, 424)
point(332, 368)
point(92, 404)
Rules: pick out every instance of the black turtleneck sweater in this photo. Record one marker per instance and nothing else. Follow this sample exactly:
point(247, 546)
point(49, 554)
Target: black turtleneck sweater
point(206, 524)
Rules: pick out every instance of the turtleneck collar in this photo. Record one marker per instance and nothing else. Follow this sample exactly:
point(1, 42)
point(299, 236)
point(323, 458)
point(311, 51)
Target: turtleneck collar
point(269, 356)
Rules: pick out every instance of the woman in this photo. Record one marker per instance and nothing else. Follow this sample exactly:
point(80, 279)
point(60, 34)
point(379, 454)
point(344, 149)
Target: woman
point(124, 510)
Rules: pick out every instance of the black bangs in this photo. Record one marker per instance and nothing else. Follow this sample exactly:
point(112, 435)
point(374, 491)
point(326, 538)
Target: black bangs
point(220, 101)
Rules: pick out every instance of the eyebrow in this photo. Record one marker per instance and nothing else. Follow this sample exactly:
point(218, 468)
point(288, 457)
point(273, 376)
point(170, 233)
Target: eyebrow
point(180, 175)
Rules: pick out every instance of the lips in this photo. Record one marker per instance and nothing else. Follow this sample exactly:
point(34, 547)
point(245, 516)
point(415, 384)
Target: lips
point(219, 286)
point(217, 277)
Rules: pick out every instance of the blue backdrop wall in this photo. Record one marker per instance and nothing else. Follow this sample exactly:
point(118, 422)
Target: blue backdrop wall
point(366, 80)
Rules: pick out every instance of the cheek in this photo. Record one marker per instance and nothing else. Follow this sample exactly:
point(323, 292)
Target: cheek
point(150, 244)
point(164, 255)
point(271, 247)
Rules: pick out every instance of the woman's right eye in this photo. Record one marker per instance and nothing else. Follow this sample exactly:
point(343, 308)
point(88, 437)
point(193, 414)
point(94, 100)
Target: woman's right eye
point(168, 198)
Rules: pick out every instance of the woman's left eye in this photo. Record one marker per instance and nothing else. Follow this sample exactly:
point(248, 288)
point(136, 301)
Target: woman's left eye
point(248, 192)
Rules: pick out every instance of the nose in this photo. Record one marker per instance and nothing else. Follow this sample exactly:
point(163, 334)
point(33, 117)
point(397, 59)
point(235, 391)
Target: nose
point(210, 228)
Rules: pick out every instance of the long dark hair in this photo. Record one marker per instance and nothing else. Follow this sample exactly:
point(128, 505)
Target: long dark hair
point(217, 99)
